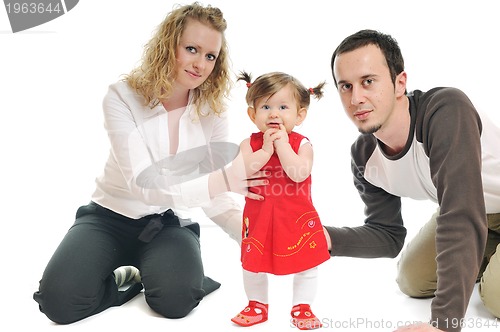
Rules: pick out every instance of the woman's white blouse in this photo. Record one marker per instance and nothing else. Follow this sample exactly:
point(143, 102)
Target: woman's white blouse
point(140, 176)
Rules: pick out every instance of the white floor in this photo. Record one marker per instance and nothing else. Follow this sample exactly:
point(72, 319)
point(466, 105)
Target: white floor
point(353, 295)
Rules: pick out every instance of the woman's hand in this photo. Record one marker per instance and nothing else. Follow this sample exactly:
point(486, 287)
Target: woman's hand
point(241, 185)
point(234, 179)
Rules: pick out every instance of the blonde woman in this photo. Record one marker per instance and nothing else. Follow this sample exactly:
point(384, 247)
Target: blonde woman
point(168, 137)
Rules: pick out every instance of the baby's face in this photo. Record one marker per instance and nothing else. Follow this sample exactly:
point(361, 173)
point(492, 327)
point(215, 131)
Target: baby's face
point(278, 109)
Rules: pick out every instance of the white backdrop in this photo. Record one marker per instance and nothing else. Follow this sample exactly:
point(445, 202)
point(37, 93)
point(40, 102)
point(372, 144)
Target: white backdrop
point(54, 76)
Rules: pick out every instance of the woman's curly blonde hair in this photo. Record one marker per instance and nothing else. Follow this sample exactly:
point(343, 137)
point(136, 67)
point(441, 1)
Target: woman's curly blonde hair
point(154, 78)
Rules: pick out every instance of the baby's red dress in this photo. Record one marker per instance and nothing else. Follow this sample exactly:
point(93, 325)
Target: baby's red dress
point(282, 234)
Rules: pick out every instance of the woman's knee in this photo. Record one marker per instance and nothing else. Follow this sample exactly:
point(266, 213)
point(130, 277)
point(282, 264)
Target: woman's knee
point(58, 303)
point(173, 292)
point(65, 299)
point(174, 302)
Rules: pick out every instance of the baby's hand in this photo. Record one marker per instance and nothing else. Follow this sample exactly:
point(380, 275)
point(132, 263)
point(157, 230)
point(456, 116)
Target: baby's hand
point(280, 137)
point(268, 140)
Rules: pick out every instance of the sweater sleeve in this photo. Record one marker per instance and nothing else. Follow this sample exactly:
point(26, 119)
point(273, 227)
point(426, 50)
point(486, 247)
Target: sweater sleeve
point(383, 233)
point(224, 210)
point(451, 130)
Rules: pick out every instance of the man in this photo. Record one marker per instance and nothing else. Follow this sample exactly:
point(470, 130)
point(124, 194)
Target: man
point(423, 145)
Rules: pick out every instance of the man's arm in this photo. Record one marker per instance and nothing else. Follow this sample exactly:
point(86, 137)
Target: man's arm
point(383, 233)
point(451, 130)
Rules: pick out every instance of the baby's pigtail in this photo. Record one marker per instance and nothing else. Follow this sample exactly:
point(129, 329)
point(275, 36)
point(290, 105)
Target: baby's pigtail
point(244, 76)
point(317, 91)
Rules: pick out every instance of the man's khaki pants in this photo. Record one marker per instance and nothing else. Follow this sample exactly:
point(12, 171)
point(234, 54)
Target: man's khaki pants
point(417, 266)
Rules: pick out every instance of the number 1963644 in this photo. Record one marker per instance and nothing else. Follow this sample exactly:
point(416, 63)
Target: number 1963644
point(33, 7)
